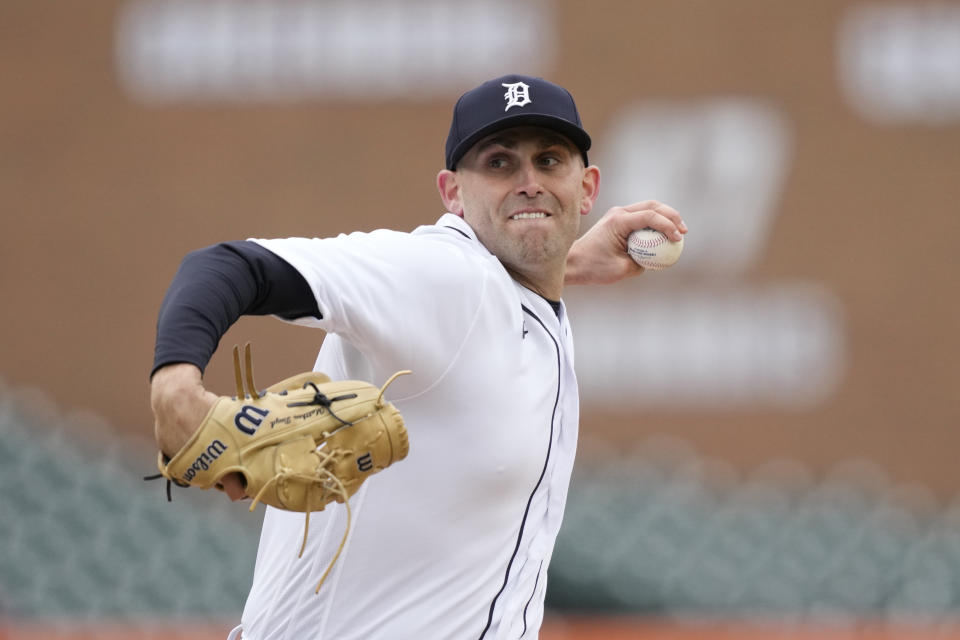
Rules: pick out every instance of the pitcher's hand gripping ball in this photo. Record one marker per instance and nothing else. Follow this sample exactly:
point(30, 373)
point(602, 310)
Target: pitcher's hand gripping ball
point(652, 250)
point(299, 445)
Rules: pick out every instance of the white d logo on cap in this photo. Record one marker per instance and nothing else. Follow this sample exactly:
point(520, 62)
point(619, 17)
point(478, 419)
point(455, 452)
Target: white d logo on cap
point(517, 95)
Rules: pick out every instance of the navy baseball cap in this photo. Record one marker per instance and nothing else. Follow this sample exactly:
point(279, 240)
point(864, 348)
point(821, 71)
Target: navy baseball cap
point(513, 101)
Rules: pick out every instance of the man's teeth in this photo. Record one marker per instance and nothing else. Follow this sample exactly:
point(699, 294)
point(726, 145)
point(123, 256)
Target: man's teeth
point(528, 216)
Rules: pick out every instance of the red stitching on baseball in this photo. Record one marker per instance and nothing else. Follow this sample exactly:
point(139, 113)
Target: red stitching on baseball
point(657, 240)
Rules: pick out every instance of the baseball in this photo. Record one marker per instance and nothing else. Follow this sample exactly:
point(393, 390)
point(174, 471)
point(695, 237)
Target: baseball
point(651, 249)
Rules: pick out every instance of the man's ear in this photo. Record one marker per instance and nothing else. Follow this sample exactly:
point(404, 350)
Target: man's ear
point(449, 188)
point(591, 189)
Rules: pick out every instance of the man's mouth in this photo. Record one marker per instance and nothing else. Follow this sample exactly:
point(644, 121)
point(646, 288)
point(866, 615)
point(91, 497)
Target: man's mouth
point(529, 215)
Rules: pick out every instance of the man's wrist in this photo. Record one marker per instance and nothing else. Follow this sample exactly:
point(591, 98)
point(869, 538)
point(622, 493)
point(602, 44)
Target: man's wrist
point(176, 397)
point(574, 272)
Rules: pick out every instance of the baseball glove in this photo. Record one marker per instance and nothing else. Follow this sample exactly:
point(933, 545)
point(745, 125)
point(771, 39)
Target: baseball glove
point(299, 445)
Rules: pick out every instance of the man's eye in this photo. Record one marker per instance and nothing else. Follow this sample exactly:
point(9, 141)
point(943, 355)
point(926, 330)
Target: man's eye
point(549, 161)
point(497, 163)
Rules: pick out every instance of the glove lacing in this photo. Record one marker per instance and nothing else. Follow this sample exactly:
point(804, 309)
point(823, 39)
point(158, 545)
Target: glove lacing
point(328, 480)
point(331, 484)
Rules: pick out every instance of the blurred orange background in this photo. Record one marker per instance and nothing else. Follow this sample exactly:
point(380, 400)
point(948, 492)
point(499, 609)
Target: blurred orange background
point(814, 149)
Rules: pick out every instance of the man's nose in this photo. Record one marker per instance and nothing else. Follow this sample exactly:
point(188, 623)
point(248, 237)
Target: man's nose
point(528, 181)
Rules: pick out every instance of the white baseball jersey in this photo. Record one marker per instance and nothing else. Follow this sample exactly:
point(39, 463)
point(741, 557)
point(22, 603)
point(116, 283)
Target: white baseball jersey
point(454, 541)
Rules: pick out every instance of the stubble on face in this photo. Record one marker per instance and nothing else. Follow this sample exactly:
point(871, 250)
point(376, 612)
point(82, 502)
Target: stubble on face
point(521, 193)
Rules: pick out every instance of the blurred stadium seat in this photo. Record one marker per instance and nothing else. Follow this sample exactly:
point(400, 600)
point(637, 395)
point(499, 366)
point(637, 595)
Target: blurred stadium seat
point(85, 539)
point(659, 531)
point(664, 531)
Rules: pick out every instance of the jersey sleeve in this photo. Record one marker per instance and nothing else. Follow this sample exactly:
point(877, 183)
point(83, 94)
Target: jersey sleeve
point(216, 285)
point(404, 301)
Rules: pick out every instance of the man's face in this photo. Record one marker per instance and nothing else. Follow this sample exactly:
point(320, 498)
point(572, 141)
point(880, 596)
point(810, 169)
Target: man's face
point(523, 190)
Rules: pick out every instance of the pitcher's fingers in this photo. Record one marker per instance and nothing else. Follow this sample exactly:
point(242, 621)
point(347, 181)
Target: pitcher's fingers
point(662, 209)
point(655, 220)
point(233, 486)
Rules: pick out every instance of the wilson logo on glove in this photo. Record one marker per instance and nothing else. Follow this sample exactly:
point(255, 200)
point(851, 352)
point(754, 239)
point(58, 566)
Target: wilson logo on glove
point(365, 462)
point(255, 420)
point(203, 461)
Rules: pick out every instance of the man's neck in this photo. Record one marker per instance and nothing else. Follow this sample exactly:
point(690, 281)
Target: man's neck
point(547, 285)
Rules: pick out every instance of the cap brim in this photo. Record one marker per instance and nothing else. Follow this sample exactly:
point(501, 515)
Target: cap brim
point(576, 134)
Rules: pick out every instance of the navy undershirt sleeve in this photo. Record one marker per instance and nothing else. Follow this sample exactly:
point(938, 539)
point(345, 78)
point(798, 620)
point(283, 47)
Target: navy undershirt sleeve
point(216, 285)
